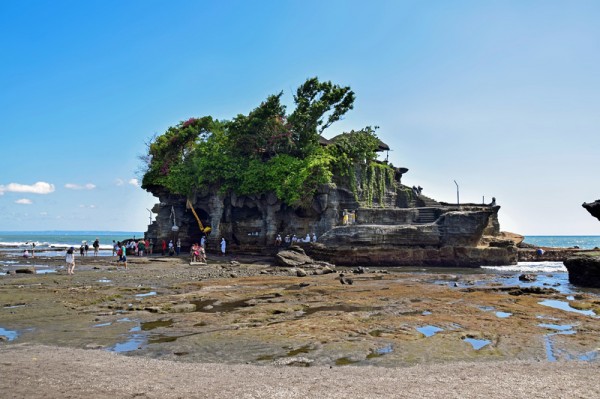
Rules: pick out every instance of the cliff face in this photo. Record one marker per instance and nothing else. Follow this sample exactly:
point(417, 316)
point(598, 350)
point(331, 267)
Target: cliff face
point(401, 228)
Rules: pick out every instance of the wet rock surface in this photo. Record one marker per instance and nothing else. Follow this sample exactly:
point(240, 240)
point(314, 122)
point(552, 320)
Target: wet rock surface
point(254, 312)
point(584, 270)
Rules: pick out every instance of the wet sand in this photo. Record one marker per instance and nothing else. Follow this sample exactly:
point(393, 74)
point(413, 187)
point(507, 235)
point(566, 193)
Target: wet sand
point(238, 330)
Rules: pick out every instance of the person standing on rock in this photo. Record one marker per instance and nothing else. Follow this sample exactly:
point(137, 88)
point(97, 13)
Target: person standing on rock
point(171, 248)
point(70, 259)
point(223, 246)
point(178, 247)
point(203, 242)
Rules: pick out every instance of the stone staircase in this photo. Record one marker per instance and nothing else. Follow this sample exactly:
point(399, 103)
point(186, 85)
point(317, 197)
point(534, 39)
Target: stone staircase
point(426, 215)
point(423, 201)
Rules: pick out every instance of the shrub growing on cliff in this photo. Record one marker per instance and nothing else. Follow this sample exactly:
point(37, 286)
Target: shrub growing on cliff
point(264, 151)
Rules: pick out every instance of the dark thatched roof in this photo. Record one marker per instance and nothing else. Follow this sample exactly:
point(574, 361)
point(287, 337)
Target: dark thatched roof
point(381, 145)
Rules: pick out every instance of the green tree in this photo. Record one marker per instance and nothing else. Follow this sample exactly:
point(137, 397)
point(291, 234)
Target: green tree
point(318, 105)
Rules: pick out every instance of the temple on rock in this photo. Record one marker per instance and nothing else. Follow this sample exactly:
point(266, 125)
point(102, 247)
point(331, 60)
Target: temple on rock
point(267, 174)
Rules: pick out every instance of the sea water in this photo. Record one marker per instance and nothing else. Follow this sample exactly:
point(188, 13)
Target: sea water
point(583, 242)
point(52, 242)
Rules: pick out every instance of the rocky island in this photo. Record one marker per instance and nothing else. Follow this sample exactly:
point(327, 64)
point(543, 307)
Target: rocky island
point(269, 174)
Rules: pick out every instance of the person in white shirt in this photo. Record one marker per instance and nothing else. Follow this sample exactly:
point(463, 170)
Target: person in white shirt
point(70, 259)
point(223, 246)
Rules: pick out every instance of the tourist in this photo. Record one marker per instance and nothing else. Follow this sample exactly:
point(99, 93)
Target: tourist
point(147, 245)
point(82, 250)
point(314, 238)
point(202, 254)
point(164, 247)
point(287, 240)
point(223, 246)
point(87, 248)
point(96, 246)
point(171, 248)
point(141, 248)
point(70, 259)
point(122, 253)
point(345, 217)
point(203, 242)
point(26, 254)
point(150, 247)
point(178, 247)
point(195, 253)
point(278, 240)
point(114, 248)
point(33, 249)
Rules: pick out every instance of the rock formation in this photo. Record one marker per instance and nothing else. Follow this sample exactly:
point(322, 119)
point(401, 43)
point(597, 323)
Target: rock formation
point(401, 228)
point(584, 269)
point(593, 208)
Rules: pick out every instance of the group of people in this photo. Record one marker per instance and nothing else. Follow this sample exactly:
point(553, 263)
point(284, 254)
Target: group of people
point(84, 247)
point(138, 248)
point(348, 217)
point(293, 239)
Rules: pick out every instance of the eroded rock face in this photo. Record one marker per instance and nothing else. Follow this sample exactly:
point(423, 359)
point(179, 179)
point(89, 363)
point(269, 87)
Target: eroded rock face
point(593, 208)
point(398, 230)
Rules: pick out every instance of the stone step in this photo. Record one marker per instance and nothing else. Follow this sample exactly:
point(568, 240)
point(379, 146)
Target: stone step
point(426, 216)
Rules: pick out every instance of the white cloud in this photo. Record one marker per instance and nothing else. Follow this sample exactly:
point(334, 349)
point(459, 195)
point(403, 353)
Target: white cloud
point(92, 206)
point(72, 186)
point(43, 213)
point(23, 201)
point(134, 182)
point(37, 188)
point(119, 182)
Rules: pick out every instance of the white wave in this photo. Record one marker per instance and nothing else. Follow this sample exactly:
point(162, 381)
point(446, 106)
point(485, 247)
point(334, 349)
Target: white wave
point(531, 267)
point(18, 244)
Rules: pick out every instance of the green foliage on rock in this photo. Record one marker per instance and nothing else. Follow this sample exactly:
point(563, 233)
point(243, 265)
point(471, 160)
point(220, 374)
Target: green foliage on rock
point(269, 151)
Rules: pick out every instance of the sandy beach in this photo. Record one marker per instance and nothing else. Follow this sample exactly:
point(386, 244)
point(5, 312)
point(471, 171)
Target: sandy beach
point(32, 371)
point(248, 329)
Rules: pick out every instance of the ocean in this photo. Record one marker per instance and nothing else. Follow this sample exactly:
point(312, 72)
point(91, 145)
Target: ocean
point(55, 242)
point(583, 242)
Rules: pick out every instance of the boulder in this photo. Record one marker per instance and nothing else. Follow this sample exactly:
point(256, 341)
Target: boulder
point(584, 270)
point(292, 257)
point(26, 270)
point(527, 277)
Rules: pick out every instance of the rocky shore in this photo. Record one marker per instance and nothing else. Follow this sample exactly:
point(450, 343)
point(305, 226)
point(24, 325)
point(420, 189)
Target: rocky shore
point(235, 315)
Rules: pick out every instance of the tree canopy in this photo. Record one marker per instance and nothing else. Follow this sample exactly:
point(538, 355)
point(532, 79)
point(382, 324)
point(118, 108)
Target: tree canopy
point(264, 151)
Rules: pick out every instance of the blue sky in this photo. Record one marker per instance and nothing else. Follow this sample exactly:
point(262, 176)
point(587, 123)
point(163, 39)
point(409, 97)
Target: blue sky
point(501, 96)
